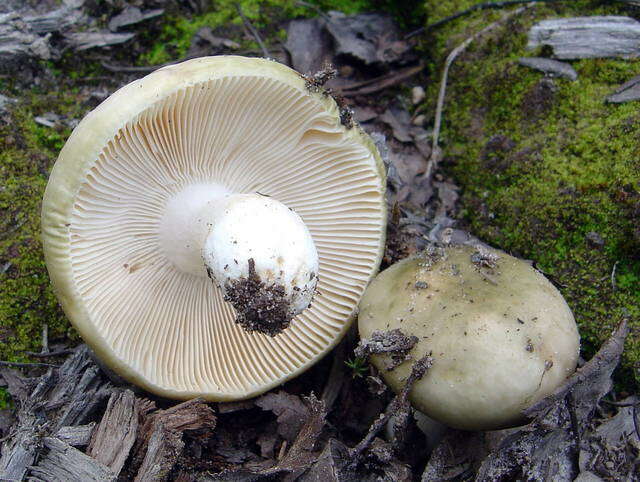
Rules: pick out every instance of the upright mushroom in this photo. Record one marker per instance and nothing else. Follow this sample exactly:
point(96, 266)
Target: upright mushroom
point(222, 167)
point(501, 335)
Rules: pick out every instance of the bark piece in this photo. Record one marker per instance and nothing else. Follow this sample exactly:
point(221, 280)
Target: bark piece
point(114, 437)
point(5, 103)
point(159, 441)
point(19, 451)
point(26, 33)
point(164, 448)
point(627, 92)
point(63, 463)
point(88, 40)
point(204, 42)
point(303, 451)
point(550, 67)
point(588, 37)
point(64, 396)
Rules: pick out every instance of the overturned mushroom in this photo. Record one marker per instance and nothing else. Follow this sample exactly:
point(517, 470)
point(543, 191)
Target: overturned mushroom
point(501, 335)
point(222, 167)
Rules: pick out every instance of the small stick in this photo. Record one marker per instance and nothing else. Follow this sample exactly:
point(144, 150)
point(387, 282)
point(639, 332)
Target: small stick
point(613, 275)
point(433, 159)
point(635, 420)
point(417, 372)
point(45, 339)
point(253, 31)
point(475, 8)
point(315, 9)
point(622, 404)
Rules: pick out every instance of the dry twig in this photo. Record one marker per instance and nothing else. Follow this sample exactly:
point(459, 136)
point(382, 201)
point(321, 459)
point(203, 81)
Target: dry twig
point(399, 401)
point(377, 84)
point(435, 152)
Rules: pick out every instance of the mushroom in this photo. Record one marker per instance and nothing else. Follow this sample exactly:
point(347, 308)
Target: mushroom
point(500, 334)
point(223, 167)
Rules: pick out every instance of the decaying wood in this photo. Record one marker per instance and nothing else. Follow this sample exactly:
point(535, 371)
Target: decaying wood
point(132, 15)
point(76, 436)
point(114, 437)
point(63, 463)
point(588, 37)
point(62, 397)
point(303, 451)
point(88, 40)
point(627, 92)
point(159, 441)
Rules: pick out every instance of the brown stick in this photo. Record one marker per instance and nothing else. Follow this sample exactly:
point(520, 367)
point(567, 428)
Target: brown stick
point(437, 123)
point(417, 372)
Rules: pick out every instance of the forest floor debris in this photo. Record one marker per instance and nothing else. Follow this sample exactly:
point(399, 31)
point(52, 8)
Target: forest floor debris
point(73, 421)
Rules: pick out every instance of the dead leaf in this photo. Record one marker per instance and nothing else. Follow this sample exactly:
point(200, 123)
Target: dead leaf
point(289, 409)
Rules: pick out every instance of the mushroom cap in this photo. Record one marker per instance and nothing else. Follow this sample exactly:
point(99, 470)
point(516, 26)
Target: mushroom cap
point(220, 124)
point(501, 337)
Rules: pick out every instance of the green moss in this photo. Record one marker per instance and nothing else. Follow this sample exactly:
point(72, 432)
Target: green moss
point(27, 152)
point(544, 164)
point(5, 399)
point(175, 36)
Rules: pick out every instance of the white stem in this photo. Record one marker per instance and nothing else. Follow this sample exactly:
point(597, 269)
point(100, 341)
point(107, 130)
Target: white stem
point(257, 250)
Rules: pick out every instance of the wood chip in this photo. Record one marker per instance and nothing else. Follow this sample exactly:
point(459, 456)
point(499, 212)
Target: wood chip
point(159, 442)
point(114, 437)
point(551, 67)
point(132, 15)
point(88, 40)
point(63, 463)
point(164, 448)
point(627, 92)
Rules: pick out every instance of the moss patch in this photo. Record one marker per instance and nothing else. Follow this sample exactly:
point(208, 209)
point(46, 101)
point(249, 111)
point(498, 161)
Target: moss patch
point(27, 152)
point(550, 172)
